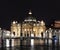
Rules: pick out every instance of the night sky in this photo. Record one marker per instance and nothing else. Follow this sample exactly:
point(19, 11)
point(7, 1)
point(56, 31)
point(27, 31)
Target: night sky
point(18, 9)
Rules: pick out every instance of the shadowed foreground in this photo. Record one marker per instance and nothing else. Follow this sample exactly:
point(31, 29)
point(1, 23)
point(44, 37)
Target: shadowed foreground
point(28, 47)
point(32, 44)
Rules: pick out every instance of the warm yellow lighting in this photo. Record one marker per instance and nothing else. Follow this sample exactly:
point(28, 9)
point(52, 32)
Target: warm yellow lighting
point(25, 29)
point(28, 29)
point(32, 35)
point(29, 25)
point(42, 23)
point(50, 35)
point(14, 22)
point(37, 24)
point(18, 24)
point(34, 30)
point(34, 24)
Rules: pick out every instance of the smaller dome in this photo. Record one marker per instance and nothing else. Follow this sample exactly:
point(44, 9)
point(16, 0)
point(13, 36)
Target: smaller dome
point(30, 17)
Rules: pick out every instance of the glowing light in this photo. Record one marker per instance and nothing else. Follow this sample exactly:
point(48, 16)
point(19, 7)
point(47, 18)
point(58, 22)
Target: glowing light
point(32, 42)
point(18, 24)
point(25, 29)
point(12, 42)
point(7, 43)
point(37, 24)
point(14, 22)
point(28, 29)
point(32, 35)
point(12, 35)
point(30, 12)
point(33, 29)
point(39, 35)
point(7, 34)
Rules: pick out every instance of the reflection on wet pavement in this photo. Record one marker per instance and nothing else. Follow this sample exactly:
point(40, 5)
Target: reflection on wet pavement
point(31, 44)
point(33, 47)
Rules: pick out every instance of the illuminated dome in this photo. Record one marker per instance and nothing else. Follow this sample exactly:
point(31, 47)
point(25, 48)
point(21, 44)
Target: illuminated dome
point(30, 18)
point(29, 27)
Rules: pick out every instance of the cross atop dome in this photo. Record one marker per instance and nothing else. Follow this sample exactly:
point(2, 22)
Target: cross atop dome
point(30, 12)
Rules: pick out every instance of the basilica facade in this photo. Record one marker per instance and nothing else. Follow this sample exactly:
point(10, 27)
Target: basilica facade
point(29, 27)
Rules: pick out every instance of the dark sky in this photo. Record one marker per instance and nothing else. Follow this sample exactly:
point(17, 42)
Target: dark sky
point(17, 10)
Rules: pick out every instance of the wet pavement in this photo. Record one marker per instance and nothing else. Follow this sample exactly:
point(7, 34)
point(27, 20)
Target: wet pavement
point(32, 44)
point(27, 47)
